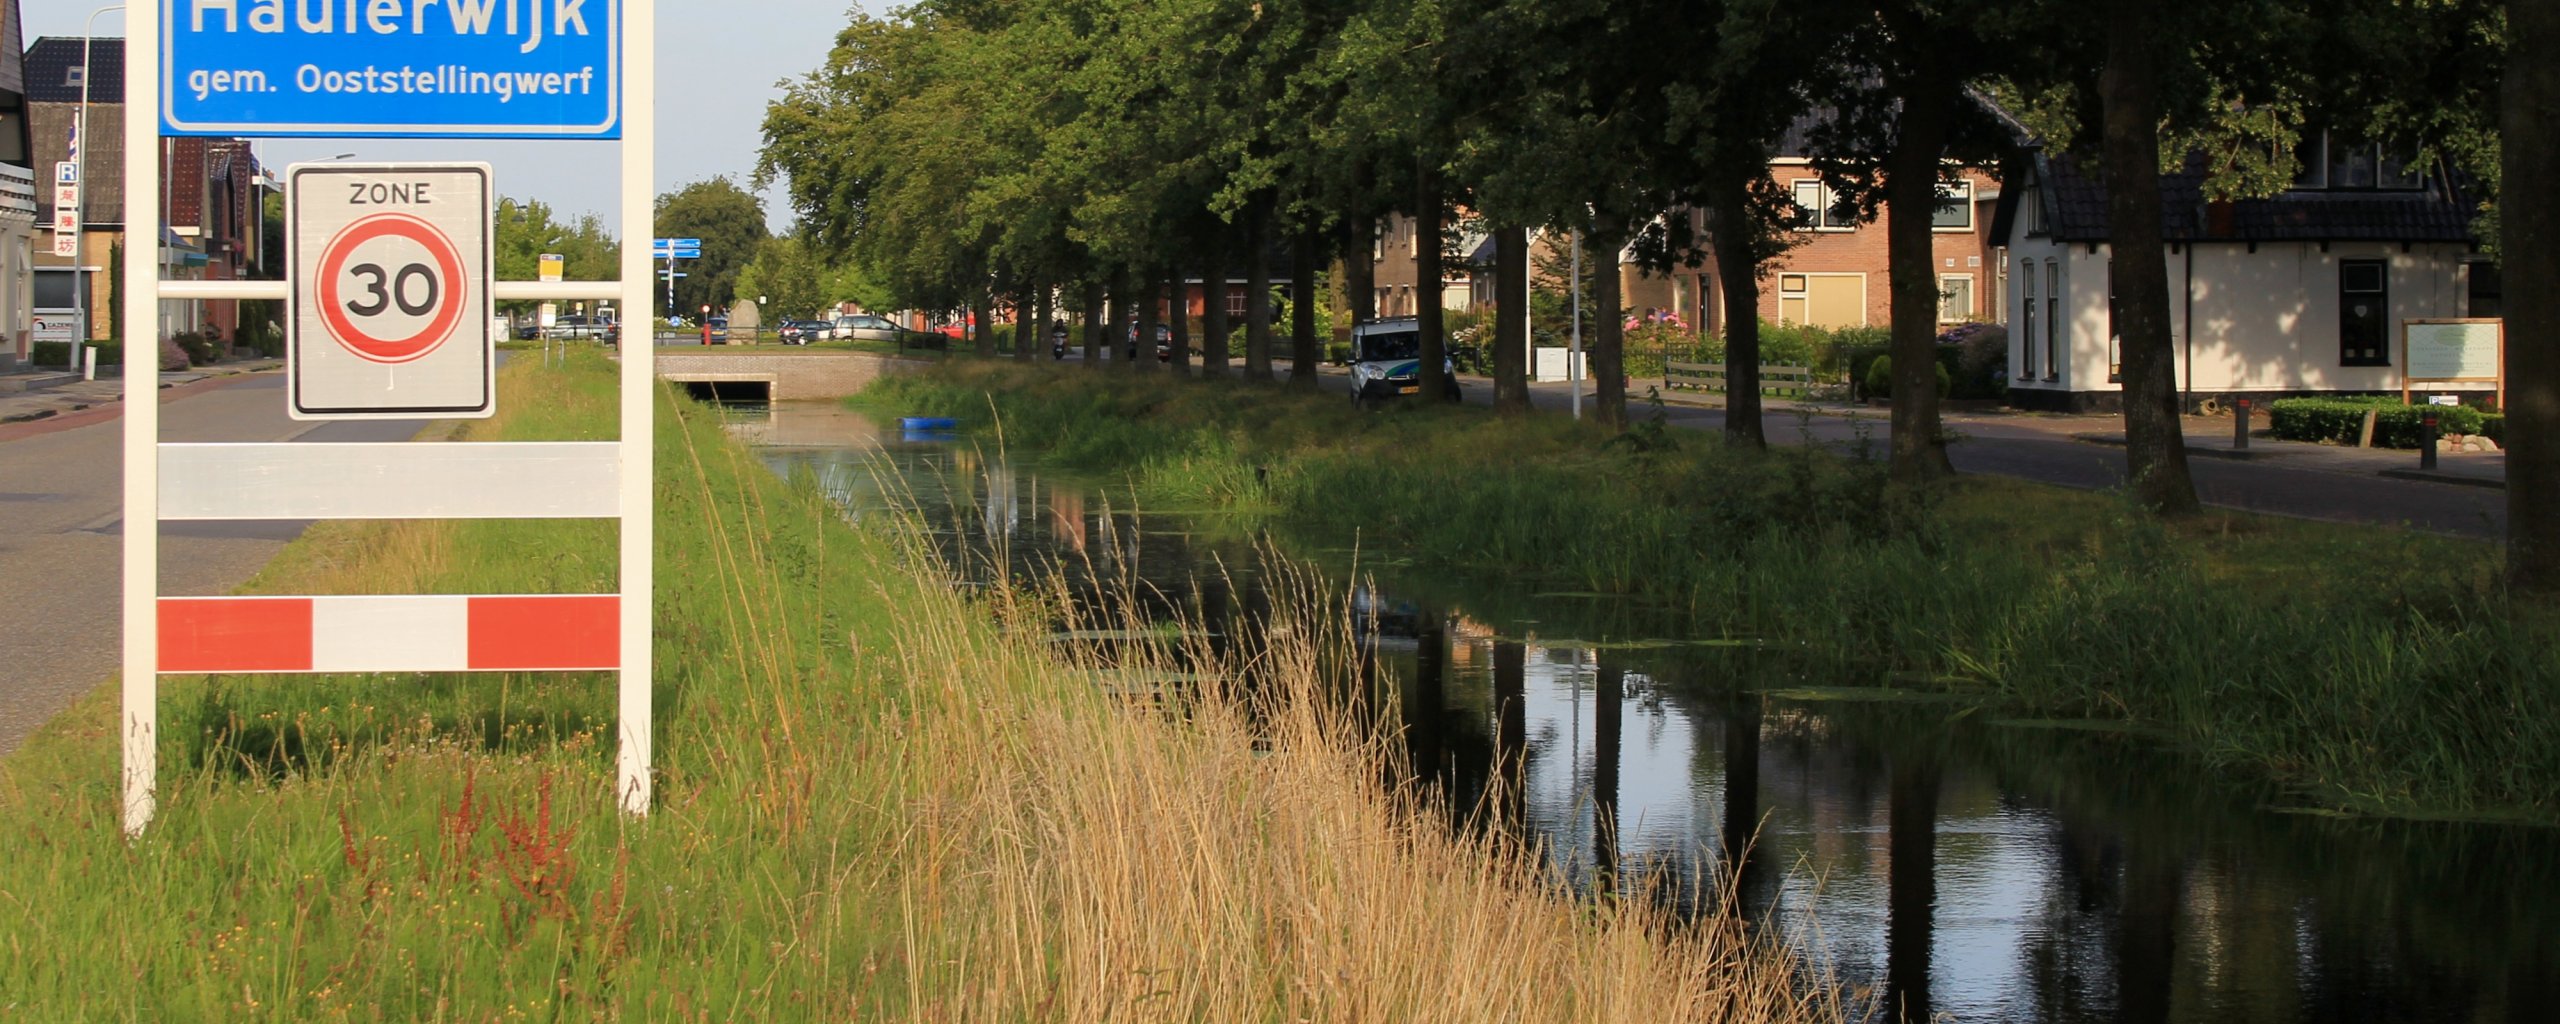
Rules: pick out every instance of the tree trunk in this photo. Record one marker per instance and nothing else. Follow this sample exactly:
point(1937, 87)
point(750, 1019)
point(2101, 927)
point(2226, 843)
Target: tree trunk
point(1034, 318)
point(1181, 313)
point(1096, 325)
point(2129, 91)
point(1738, 278)
point(1608, 350)
point(1257, 299)
point(983, 311)
point(2526, 241)
point(1150, 313)
point(1911, 201)
point(1213, 311)
point(1432, 375)
point(1511, 321)
point(1124, 315)
point(1306, 351)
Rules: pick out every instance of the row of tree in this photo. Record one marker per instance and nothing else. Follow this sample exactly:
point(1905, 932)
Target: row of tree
point(969, 152)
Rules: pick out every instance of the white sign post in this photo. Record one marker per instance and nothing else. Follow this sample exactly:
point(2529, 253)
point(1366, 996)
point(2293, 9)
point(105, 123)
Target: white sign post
point(391, 291)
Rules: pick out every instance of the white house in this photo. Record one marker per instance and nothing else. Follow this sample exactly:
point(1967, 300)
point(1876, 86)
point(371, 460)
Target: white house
point(2304, 292)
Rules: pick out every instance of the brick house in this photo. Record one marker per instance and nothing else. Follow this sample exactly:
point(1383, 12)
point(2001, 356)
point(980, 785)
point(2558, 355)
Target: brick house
point(212, 192)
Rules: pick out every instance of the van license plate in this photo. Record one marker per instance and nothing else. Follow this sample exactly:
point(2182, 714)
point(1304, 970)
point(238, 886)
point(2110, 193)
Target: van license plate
point(1410, 390)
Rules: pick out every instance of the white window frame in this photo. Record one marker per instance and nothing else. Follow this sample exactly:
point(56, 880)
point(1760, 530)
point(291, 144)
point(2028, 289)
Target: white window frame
point(1959, 193)
point(1962, 315)
point(1821, 214)
point(2027, 364)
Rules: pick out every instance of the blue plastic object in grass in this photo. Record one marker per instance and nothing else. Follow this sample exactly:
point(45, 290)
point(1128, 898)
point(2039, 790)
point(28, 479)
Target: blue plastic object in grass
point(929, 423)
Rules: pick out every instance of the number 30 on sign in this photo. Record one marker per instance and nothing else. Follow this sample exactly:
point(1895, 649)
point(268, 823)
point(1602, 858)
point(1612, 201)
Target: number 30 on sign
point(390, 291)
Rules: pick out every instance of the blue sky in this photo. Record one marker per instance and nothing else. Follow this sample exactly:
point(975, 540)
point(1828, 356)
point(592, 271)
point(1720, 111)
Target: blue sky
point(718, 63)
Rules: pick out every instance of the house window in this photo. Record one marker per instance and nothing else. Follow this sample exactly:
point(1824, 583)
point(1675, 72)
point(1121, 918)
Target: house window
point(1235, 301)
point(1377, 246)
point(2115, 336)
point(1955, 298)
point(2027, 320)
point(73, 76)
point(2052, 320)
point(2344, 165)
point(1385, 304)
point(1791, 298)
point(1821, 209)
point(2487, 290)
point(1955, 207)
point(2363, 307)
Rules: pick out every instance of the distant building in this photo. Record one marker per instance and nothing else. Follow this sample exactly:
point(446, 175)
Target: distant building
point(211, 197)
point(2303, 292)
point(18, 196)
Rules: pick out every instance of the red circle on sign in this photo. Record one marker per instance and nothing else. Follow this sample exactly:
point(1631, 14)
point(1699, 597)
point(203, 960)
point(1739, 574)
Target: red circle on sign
point(333, 260)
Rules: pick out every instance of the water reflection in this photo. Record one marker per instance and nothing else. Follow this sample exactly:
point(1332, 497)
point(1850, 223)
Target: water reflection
point(1940, 865)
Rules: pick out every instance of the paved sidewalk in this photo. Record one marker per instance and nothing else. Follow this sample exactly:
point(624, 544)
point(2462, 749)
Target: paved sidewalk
point(50, 399)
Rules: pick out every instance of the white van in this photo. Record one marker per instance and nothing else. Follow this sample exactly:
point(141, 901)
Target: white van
point(1386, 361)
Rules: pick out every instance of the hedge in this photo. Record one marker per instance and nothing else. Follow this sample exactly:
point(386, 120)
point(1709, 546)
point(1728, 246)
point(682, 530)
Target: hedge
point(2341, 421)
point(58, 353)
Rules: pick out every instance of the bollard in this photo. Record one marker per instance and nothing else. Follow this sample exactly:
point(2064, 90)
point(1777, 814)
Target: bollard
point(89, 364)
point(2240, 426)
point(2427, 443)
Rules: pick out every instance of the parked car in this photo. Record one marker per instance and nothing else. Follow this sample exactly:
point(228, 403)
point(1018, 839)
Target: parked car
point(580, 327)
point(527, 331)
point(802, 332)
point(718, 329)
point(873, 327)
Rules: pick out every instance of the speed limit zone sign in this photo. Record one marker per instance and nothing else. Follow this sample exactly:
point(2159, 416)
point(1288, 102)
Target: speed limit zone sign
point(390, 291)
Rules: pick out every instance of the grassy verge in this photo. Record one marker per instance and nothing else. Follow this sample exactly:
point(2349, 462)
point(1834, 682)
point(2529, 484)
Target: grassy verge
point(2373, 669)
point(872, 803)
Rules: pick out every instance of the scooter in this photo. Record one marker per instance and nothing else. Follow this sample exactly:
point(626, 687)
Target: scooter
point(1058, 344)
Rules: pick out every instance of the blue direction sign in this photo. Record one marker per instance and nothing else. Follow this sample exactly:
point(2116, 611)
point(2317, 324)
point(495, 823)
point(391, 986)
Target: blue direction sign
point(547, 69)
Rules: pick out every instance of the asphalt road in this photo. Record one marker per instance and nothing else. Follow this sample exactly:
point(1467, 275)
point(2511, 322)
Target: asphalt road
point(61, 524)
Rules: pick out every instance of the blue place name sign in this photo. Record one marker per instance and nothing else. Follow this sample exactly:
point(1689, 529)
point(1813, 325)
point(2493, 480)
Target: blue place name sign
point(546, 69)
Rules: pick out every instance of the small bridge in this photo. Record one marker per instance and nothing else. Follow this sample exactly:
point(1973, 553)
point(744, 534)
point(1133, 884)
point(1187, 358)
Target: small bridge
point(777, 374)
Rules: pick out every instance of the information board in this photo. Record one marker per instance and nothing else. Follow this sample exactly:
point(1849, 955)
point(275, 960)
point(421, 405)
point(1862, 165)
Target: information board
point(392, 68)
point(2468, 351)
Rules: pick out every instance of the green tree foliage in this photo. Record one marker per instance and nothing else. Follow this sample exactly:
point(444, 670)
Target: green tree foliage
point(730, 222)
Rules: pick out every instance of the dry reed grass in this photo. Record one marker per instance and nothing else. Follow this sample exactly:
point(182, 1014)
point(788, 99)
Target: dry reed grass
point(1241, 860)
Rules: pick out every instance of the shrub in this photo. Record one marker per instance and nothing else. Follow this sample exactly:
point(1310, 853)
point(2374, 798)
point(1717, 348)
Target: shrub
point(1879, 377)
point(2341, 421)
point(201, 349)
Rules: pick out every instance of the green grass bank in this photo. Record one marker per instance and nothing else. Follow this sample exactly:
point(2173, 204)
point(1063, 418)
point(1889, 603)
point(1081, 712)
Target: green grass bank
point(872, 803)
point(2370, 669)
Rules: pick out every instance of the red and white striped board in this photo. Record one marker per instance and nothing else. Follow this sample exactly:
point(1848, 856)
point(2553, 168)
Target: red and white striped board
point(399, 633)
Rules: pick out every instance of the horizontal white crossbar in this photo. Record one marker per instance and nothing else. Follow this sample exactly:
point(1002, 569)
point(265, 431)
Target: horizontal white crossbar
point(556, 291)
point(401, 480)
point(220, 290)
point(505, 291)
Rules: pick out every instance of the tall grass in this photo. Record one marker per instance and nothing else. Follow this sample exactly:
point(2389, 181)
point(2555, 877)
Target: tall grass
point(2370, 668)
point(872, 803)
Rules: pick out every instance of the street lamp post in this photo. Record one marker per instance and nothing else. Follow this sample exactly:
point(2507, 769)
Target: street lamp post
point(80, 159)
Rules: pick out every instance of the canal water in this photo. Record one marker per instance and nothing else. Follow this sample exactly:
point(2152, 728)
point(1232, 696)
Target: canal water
point(1941, 862)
